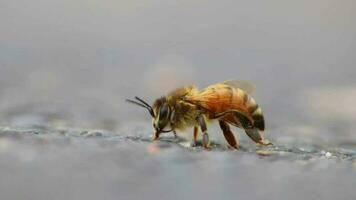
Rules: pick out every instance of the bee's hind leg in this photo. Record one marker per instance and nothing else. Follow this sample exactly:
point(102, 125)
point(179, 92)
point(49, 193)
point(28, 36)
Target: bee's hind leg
point(257, 137)
point(229, 136)
point(202, 124)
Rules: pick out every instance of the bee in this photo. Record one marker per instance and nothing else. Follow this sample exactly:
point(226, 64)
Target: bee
point(228, 102)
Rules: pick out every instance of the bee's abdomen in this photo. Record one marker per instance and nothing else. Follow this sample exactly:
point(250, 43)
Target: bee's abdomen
point(220, 98)
point(248, 106)
point(255, 111)
point(258, 119)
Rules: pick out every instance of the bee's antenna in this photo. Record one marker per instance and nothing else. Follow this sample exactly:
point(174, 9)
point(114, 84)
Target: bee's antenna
point(142, 101)
point(136, 103)
point(142, 104)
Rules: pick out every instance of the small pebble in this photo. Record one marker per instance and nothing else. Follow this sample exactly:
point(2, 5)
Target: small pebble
point(266, 153)
point(185, 144)
point(91, 133)
point(328, 154)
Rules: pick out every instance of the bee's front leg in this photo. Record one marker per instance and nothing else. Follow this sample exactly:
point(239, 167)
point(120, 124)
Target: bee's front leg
point(155, 136)
point(202, 124)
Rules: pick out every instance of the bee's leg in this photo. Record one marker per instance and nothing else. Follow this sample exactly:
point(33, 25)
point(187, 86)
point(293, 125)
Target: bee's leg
point(257, 137)
point(175, 134)
point(195, 136)
point(202, 124)
point(229, 136)
point(155, 136)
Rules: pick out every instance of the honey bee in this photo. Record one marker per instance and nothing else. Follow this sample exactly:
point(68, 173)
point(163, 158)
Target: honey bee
point(228, 102)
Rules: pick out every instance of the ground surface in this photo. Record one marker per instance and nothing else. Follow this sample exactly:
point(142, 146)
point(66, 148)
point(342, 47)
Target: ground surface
point(39, 162)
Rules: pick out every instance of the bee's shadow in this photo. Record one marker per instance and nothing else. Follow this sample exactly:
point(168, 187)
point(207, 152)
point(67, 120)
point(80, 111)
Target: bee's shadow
point(181, 141)
point(214, 145)
point(173, 139)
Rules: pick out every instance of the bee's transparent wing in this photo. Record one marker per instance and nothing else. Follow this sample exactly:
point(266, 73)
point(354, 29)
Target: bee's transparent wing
point(244, 85)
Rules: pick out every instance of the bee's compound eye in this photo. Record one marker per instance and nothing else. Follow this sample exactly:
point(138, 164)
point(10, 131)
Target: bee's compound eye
point(164, 111)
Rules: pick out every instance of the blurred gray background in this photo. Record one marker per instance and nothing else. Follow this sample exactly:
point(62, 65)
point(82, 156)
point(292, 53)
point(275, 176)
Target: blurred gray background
point(76, 61)
point(72, 64)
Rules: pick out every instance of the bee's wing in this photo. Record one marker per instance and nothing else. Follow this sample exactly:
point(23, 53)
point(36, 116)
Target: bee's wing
point(246, 86)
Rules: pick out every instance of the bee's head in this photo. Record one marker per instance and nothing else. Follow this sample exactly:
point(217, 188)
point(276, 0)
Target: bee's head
point(161, 114)
point(162, 117)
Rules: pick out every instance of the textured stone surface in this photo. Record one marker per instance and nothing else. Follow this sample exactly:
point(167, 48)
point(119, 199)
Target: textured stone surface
point(40, 162)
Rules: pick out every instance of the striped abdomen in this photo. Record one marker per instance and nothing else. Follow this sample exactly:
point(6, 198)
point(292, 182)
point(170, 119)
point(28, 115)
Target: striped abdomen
point(220, 98)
